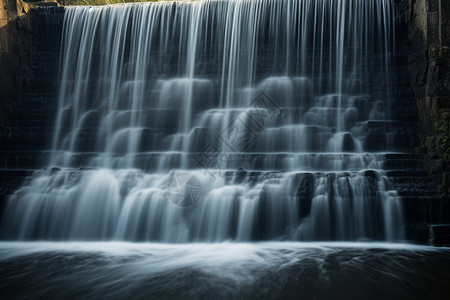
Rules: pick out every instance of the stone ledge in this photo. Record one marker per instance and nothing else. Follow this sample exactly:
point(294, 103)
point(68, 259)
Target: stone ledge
point(426, 234)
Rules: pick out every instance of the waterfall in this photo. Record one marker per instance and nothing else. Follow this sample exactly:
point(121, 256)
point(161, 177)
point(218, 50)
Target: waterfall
point(218, 120)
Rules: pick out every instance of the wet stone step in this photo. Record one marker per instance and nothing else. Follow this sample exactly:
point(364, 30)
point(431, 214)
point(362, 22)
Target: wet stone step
point(23, 139)
point(406, 175)
point(23, 159)
point(418, 232)
point(378, 142)
point(414, 189)
point(440, 235)
point(10, 181)
point(403, 163)
point(38, 119)
point(430, 209)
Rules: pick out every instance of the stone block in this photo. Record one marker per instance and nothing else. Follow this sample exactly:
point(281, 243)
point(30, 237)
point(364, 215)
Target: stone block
point(443, 71)
point(445, 5)
point(439, 89)
point(441, 235)
point(439, 103)
point(437, 178)
point(434, 51)
point(430, 156)
point(433, 5)
point(446, 175)
point(436, 166)
point(428, 104)
point(408, 4)
point(432, 75)
point(433, 36)
point(430, 144)
point(418, 232)
point(420, 20)
point(433, 18)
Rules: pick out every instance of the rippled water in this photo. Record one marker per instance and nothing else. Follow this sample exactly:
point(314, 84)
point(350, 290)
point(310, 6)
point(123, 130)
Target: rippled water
point(223, 271)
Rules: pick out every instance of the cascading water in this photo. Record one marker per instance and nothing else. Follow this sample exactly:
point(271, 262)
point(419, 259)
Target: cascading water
point(218, 120)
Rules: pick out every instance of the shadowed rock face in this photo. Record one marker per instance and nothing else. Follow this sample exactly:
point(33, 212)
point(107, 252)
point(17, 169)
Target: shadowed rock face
point(429, 66)
point(29, 54)
point(11, 36)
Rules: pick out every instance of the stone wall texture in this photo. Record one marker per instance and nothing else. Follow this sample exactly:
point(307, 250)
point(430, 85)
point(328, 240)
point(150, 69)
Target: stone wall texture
point(428, 23)
point(429, 66)
point(29, 55)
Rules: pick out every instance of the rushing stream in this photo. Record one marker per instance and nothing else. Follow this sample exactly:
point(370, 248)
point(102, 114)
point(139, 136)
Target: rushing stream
point(223, 271)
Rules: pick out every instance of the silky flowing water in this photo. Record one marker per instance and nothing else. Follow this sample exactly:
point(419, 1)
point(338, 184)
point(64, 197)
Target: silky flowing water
point(218, 120)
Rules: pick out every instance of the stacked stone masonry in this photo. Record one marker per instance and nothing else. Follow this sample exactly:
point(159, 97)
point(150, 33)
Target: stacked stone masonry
point(429, 65)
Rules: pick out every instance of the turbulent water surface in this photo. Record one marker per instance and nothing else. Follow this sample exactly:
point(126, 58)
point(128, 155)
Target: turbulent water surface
point(223, 271)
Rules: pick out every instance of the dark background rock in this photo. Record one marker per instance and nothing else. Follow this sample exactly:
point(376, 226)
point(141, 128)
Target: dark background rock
point(29, 56)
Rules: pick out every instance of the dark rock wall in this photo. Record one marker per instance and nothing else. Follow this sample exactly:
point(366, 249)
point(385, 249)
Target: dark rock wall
point(29, 56)
point(429, 65)
point(428, 33)
point(15, 33)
